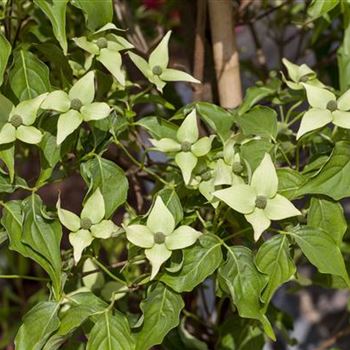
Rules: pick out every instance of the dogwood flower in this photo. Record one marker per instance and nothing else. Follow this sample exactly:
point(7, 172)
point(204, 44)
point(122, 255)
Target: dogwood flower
point(187, 145)
point(20, 121)
point(325, 109)
point(106, 48)
point(159, 236)
point(155, 70)
point(76, 106)
point(90, 225)
point(259, 201)
point(299, 75)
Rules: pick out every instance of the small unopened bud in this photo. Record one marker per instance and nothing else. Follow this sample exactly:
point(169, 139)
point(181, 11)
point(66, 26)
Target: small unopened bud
point(332, 105)
point(16, 120)
point(85, 223)
point(159, 237)
point(76, 104)
point(157, 70)
point(261, 202)
point(102, 43)
point(186, 146)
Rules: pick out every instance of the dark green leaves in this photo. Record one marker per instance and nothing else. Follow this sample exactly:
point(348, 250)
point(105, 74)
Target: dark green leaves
point(321, 250)
point(289, 182)
point(244, 283)
point(253, 95)
point(110, 332)
point(161, 311)
point(56, 12)
point(97, 13)
point(158, 127)
point(39, 239)
point(319, 8)
point(200, 261)
point(102, 173)
point(5, 51)
point(328, 216)
point(273, 259)
point(260, 121)
point(217, 118)
point(41, 321)
point(332, 180)
point(29, 77)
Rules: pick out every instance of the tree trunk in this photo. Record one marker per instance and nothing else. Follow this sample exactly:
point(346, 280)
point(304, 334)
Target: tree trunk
point(225, 53)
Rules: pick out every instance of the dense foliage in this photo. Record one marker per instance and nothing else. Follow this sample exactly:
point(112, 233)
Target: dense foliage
point(236, 199)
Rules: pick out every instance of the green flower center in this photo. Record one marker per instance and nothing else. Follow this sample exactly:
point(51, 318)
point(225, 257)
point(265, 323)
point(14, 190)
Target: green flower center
point(261, 202)
point(157, 70)
point(102, 43)
point(186, 146)
point(159, 237)
point(76, 104)
point(237, 167)
point(304, 78)
point(206, 176)
point(85, 223)
point(16, 120)
point(332, 106)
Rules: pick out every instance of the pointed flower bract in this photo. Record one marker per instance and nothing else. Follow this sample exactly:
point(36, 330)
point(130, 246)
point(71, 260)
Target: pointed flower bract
point(159, 236)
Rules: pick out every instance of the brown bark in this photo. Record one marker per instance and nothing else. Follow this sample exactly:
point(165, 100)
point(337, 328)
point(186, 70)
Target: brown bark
point(225, 53)
point(199, 49)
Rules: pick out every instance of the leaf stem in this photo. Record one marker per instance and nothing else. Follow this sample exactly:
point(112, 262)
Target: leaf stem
point(32, 278)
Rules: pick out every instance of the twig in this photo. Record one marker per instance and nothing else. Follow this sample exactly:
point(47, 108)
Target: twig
point(326, 344)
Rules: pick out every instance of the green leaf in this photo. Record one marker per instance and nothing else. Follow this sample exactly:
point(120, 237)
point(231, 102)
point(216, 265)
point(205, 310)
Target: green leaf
point(217, 118)
point(5, 51)
point(56, 12)
point(110, 178)
point(273, 259)
point(343, 58)
point(6, 186)
point(241, 279)
point(12, 220)
point(332, 180)
point(318, 8)
point(42, 235)
point(161, 311)
point(29, 77)
point(328, 216)
point(41, 321)
point(199, 262)
point(172, 202)
point(321, 250)
point(97, 13)
point(7, 155)
point(289, 182)
point(110, 332)
point(253, 95)
point(158, 127)
point(254, 151)
point(260, 121)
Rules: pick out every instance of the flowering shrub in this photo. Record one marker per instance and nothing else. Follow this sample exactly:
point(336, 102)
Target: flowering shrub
point(235, 198)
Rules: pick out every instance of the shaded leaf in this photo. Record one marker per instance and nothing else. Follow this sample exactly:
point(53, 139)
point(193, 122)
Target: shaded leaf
point(199, 262)
point(321, 250)
point(56, 12)
point(161, 311)
point(5, 51)
point(273, 259)
point(110, 178)
point(29, 77)
point(41, 321)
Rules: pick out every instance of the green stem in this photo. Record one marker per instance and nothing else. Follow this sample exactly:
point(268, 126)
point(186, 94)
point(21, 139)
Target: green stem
point(32, 278)
point(105, 270)
point(139, 164)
